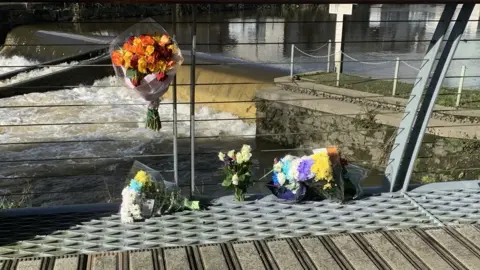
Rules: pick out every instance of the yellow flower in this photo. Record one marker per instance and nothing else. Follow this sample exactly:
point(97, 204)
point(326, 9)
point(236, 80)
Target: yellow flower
point(142, 177)
point(157, 38)
point(142, 65)
point(151, 67)
point(160, 66)
point(137, 42)
point(127, 57)
point(327, 186)
point(173, 48)
point(149, 50)
point(322, 167)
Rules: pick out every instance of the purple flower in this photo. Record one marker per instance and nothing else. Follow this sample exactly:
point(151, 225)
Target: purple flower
point(304, 169)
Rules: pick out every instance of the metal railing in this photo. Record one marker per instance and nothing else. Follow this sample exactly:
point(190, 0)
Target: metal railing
point(75, 158)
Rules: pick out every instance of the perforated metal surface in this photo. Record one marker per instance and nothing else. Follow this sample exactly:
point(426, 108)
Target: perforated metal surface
point(227, 221)
point(451, 207)
point(408, 249)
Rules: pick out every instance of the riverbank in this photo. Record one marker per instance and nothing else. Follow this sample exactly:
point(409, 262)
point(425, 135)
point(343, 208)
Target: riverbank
point(470, 97)
point(306, 115)
point(16, 14)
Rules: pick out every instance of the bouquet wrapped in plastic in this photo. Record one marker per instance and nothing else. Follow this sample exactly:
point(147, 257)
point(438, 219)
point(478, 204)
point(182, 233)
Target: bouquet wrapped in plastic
point(148, 194)
point(145, 58)
point(325, 174)
point(284, 183)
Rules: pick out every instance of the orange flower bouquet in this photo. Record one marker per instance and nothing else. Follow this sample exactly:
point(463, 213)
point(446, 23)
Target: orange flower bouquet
point(146, 63)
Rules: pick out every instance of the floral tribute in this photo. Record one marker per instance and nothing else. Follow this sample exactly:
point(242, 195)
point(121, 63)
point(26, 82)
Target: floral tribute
point(237, 171)
point(145, 195)
point(146, 58)
point(323, 174)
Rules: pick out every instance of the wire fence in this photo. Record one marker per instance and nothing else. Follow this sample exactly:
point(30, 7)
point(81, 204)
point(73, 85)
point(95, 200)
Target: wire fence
point(76, 144)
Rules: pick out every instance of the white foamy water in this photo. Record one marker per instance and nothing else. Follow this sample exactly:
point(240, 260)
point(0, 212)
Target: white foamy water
point(9, 64)
point(18, 62)
point(36, 121)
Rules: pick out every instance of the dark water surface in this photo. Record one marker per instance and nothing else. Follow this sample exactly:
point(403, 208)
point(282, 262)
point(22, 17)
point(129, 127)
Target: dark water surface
point(378, 33)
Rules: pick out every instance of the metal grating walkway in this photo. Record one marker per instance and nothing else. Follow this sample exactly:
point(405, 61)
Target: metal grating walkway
point(265, 220)
point(432, 248)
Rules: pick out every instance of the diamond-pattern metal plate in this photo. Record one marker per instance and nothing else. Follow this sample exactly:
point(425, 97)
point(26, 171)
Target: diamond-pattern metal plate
point(408, 249)
point(451, 207)
point(224, 221)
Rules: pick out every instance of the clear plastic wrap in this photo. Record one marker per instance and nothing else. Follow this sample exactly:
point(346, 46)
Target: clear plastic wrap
point(155, 196)
point(145, 58)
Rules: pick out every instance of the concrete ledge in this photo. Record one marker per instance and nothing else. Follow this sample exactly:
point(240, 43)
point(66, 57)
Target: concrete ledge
point(385, 102)
point(342, 108)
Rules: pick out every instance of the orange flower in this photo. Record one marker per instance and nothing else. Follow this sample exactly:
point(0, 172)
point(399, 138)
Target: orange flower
point(117, 58)
point(128, 47)
point(147, 40)
point(138, 49)
point(332, 150)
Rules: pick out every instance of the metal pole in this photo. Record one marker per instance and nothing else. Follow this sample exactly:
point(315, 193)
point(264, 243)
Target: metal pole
point(328, 54)
point(460, 87)
point(431, 95)
point(393, 181)
point(338, 77)
point(174, 94)
point(292, 54)
point(395, 76)
point(342, 44)
point(192, 101)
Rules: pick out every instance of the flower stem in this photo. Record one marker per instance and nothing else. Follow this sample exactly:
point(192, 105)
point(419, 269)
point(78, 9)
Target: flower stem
point(153, 120)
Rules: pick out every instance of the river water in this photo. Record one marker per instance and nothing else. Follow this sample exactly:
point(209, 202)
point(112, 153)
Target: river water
point(87, 162)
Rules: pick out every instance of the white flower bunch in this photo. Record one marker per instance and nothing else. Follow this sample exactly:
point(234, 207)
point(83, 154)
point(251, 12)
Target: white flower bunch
point(130, 209)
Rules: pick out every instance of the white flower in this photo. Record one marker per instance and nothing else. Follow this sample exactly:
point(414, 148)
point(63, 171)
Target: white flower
point(246, 149)
point(281, 178)
point(239, 158)
point(221, 156)
point(235, 180)
point(278, 166)
point(293, 171)
point(246, 156)
point(288, 157)
point(130, 209)
point(231, 153)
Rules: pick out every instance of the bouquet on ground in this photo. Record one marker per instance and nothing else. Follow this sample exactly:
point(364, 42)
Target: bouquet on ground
point(285, 183)
point(147, 194)
point(237, 171)
point(324, 174)
point(145, 58)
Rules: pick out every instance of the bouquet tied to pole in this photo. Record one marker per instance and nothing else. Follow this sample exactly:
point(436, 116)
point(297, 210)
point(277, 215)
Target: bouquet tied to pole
point(146, 58)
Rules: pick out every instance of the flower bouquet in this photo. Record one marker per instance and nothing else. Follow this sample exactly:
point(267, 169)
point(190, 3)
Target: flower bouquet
point(145, 58)
point(325, 174)
point(285, 182)
point(237, 171)
point(147, 193)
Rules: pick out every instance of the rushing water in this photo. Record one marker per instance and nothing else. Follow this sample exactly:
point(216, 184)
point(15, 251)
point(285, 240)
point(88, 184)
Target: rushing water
point(101, 146)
